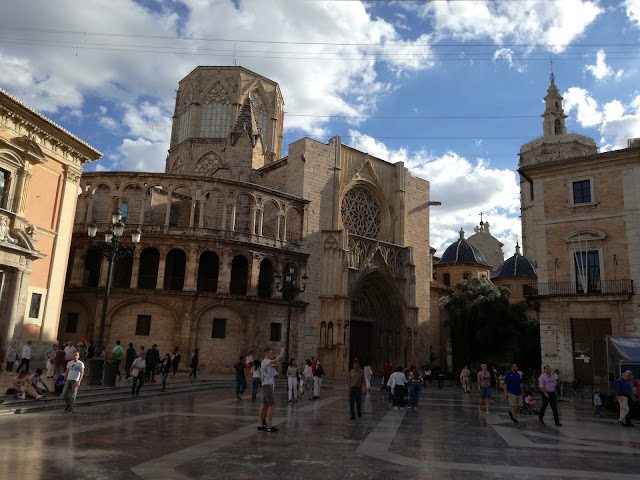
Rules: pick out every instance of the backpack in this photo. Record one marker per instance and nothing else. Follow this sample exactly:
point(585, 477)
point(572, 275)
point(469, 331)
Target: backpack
point(117, 354)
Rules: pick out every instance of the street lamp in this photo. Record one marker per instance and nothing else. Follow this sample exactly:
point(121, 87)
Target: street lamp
point(289, 291)
point(113, 251)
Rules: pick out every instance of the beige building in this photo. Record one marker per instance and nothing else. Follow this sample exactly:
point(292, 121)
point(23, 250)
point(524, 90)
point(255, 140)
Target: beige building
point(230, 213)
point(40, 168)
point(489, 245)
point(580, 224)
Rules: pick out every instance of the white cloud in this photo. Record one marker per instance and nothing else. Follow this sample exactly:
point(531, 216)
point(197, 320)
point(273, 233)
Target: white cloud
point(588, 113)
point(633, 11)
point(555, 24)
point(477, 187)
point(508, 55)
point(140, 155)
point(108, 123)
point(601, 70)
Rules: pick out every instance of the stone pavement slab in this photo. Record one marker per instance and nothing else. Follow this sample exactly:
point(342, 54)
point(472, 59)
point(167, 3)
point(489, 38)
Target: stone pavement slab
point(211, 435)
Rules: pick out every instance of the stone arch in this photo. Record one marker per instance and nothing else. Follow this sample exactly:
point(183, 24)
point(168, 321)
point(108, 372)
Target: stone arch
point(208, 271)
point(265, 279)
point(239, 275)
point(207, 164)
point(261, 109)
point(84, 325)
point(243, 221)
point(330, 340)
point(148, 268)
point(180, 210)
point(358, 215)
point(133, 197)
point(214, 352)
point(174, 270)
point(293, 230)
point(213, 209)
point(270, 213)
point(92, 267)
point(178, 166)
point(377, 329)
point(323, 334)
point(123, 317)
point(155, 205)
point(102, 206)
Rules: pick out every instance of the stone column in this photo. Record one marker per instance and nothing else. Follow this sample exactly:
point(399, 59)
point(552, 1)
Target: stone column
point(254, 211)
point(278, 227)
point(224, 272)
point(233, 218)
point(161, 265)
point(135, 268)
point(89, 216)
point(191, 269)
point(201, 216)
point(167, 215)
point(14, 323)
point(260, 221)
point(254, 275)
point(192, 212)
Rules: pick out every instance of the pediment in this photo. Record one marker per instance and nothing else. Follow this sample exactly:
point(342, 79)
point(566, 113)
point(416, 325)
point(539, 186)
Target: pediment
point(367, 173)
point(29, 146)
point(585, 235)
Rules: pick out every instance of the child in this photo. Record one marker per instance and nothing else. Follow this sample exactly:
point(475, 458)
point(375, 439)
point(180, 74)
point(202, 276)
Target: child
point(597, 402)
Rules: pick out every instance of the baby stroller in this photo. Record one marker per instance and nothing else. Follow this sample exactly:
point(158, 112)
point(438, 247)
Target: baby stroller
point(528, 408)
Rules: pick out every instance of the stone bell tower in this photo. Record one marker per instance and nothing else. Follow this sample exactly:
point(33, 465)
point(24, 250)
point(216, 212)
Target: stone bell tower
point(554, 114)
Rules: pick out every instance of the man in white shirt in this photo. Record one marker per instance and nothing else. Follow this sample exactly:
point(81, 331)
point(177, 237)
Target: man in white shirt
point(268, 368)
point(397, 382)
point(465, 376)
point(137, 373)
point(72, 378)
point(26, 357)
point(118, 355)
point(68, 351)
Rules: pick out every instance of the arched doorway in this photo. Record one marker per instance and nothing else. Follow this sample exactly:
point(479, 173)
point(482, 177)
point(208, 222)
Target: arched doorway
point(377, 326)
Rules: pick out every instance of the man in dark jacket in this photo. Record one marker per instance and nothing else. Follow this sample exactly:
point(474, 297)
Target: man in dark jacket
point(153, 358)
point(130, 356)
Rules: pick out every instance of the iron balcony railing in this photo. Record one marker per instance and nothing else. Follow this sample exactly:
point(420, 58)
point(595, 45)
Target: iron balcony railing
point(568, 289)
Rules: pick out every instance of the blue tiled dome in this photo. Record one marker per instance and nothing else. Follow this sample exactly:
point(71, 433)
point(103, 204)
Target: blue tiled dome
point(462, 251)
point(516, 266)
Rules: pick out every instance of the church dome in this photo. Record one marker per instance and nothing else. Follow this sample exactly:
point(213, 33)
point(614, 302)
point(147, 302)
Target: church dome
point(462, 251)
point(516, 266)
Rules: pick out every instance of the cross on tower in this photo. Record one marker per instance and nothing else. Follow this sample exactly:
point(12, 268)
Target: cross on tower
point(553, 77)
point(481, 214)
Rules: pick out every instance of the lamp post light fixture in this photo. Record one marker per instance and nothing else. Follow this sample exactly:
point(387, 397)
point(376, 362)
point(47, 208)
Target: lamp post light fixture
point(113, 250)
point(289, 291)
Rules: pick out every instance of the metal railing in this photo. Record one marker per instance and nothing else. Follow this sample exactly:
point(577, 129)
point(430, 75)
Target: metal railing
point(567, 289)
point(148, 282)
point(173, 283)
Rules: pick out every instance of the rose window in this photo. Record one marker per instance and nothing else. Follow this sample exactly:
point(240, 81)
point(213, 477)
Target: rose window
point(360, 213)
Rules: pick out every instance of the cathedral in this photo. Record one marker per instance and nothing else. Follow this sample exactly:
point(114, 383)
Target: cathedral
point(324, 252)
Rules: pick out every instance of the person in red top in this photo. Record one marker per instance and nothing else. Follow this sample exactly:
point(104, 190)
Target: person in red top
point(313, 365)
point(386, 373)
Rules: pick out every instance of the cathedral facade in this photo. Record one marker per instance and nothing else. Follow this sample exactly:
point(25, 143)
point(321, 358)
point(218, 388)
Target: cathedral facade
point(231, 221)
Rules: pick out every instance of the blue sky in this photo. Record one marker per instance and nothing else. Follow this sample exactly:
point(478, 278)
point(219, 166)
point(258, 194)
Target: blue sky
point(452, 88)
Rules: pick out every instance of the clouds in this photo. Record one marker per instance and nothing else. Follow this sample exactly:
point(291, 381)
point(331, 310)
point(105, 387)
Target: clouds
point(464, 187)
point(601, 70)
point(578, 99)
point(633, 11)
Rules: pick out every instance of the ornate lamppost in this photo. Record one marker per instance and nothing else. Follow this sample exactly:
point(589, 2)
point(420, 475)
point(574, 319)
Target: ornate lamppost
point(289, 291)
point(113, 250)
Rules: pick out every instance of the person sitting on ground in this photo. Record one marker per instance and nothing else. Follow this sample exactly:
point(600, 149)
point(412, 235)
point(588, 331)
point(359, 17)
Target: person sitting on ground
point(58, 386)
point(22, 385)
point(529, 400)
point(36, 379)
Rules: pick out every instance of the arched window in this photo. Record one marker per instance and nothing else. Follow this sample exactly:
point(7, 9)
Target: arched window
point(265, 279)
point(244, 214)
point(155, 205)
point(122, 272)
point(294, 226)
point(92, 263)
point(174, 268)
point(360, 213)
point(173, 217)
point(132, 197)
point(124, 208)
point(270, 220)
point(216, 113)
point(208, 268)
point(557, 127)
point(4, 186)
point(102, 205)
point(208, 164)
point(446, 279)
point(323, 333)
point(180, 212)
point(330, 334)
point(239, 275)
point(148, 271)
point(259, 111)
point(214, 205)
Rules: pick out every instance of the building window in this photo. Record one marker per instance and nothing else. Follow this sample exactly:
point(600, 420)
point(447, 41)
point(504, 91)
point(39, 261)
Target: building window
point(276, 332)
point(215, 120)
point(219, 328)
point(587, 266)
point(183, 129)
point(582, 191)
point(446, 279)
point(72, 322)
point(34, 308)
point(4, 187)
point(143, 325)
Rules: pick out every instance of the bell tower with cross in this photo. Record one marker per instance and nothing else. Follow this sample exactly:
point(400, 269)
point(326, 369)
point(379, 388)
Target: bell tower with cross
point(554, 116)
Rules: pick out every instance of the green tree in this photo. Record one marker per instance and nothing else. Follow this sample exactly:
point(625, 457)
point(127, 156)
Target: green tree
point(485, 326)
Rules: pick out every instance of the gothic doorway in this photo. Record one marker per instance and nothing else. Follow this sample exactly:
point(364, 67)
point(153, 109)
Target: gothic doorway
point(377, 322)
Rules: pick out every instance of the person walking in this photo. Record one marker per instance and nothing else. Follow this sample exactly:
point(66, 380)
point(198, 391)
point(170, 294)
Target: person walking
point(49, 357)
point(465, 375)
point(72, 380)
point(292, 380)
point(165, 369)
point(118, 355)
point(597, 402)
point(308, 379)
point(60, 362)
point(387, 370)
point(91, 352)
point(415, 384)
point(318, 375)
point(241, 379)
point(368, 374)
point(356, 378)
point(484, 387)
point(268, 368)
point(256, 381)
point(193, 365)
point(440, 378)
point(26, 357)
point(397, 382)
point(12, 356)
point(513, 391)
point(175, 362)
point(547, 384)
point(623, 392)
point(137, 372)
point(130, 356)
point(152, 358)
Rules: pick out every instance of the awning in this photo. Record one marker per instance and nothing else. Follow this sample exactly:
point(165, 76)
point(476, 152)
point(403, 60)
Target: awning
point(625, 348)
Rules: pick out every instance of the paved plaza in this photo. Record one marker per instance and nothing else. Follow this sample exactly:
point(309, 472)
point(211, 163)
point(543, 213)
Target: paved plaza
point(211, 435)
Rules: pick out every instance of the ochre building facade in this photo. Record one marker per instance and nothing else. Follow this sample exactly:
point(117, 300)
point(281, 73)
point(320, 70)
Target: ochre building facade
point(229, 214)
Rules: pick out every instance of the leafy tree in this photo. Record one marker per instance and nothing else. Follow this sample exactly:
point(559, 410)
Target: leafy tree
point(485, 326)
